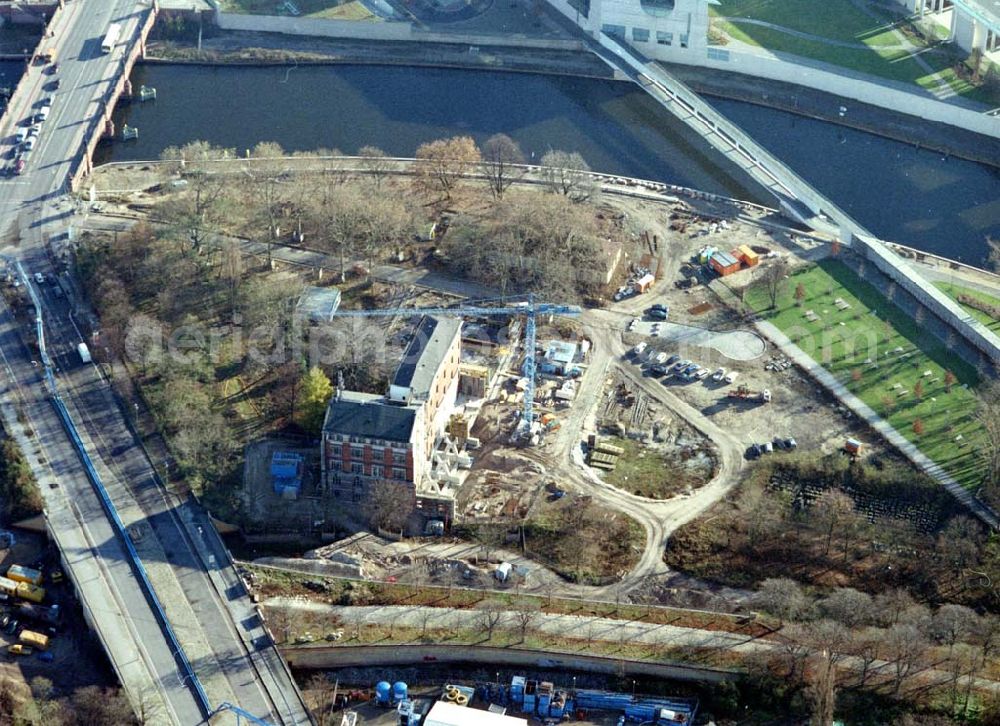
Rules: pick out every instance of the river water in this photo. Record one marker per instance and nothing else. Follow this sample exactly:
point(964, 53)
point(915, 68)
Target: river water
point(917, 197)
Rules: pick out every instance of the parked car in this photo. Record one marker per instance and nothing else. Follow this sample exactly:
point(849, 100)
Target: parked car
point(673, 359)
point(46, 657)
point(732, 376)
point(47, 101)
point(767, 447)
point(39, 278)
point(19, 166)
point(681, 365)
point(661, 358)
point(658, 306)
point(29, 143)
point(658, 314)
point(658, 370)
point(633, 323)
point(791, 443)
point(701, 374)
point(719, 374)
point(18, 649)
point(752, 452)
point(21, 134)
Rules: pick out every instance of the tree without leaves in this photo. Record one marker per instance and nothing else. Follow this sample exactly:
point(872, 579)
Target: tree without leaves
point(376, 162)
point(568, 174)
point(773, 280)
point(443, 162)
point(489, 613)
point(949, 380)
point(388, 505)
point(918, 426)
point(904, 645)
point(865, 645)
point(501, 154)
point(988, 418)
point(847, 606)
point(781, 597)
point(831, 509)
point(953, 623)
point(525, 614)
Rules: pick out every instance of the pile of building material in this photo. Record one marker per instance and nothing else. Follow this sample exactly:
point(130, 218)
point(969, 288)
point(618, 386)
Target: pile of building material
point(603, 455)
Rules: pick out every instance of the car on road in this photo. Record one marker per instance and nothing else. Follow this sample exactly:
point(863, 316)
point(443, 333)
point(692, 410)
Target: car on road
point(20, 135)
point(719, 374)
point(43, 113)
point(39, 278)
point(732, 376)
point(29, 143)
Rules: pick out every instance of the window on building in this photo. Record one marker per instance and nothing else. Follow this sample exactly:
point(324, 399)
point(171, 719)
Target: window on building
point(398, 473)
point(640, 35)
point(664, 38)
point(378, 471)
point(356, 452)
point(398, 457)
point(617, 31)
point(357, 468)
point(684, 40)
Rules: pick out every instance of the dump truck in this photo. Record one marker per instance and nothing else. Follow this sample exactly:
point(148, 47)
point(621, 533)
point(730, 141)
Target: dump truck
point(20, 573)
point(744, 393)
point(35, 640)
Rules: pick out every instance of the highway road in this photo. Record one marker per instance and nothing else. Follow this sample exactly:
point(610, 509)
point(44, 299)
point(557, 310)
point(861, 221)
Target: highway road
point(214, 620)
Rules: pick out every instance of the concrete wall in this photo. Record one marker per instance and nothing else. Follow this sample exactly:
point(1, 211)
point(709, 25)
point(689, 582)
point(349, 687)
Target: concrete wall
point(378, 30)
point(981, 338)
point(837, 81)
point(342, 656)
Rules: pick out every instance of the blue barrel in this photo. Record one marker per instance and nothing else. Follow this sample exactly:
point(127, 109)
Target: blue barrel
point(398, 691)
point(382, 692)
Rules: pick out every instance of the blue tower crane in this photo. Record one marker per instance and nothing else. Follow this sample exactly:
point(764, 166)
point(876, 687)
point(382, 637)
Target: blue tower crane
point(492, 307)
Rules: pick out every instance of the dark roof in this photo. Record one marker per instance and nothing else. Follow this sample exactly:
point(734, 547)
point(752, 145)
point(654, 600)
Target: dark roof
point(373, 419)
point(425, 353)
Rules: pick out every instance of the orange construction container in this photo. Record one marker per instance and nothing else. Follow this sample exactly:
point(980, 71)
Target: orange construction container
point(749, 257)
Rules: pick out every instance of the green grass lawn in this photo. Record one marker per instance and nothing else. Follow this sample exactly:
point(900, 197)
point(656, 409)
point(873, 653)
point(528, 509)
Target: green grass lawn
point(332, 9)
point(953, 291)
point(878, 351)
point(839, 20)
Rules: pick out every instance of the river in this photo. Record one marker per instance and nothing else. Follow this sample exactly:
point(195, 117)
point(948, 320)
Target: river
point(914, 196)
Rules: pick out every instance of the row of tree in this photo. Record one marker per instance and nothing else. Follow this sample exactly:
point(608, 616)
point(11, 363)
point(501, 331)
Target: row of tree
point(881, 642)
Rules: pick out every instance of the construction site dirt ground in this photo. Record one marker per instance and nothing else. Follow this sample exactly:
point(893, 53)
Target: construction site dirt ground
point(78, 659)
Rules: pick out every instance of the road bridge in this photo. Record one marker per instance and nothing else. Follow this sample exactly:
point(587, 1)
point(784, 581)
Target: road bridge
point(155, 580)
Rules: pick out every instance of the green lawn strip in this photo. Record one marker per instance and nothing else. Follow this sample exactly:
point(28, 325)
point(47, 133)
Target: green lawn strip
point(837, 19)
point(888, 63)
point(307, 8)
point(954, 291)
point(843, 340)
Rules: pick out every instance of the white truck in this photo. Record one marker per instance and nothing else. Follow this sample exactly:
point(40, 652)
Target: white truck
point(84, 352)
